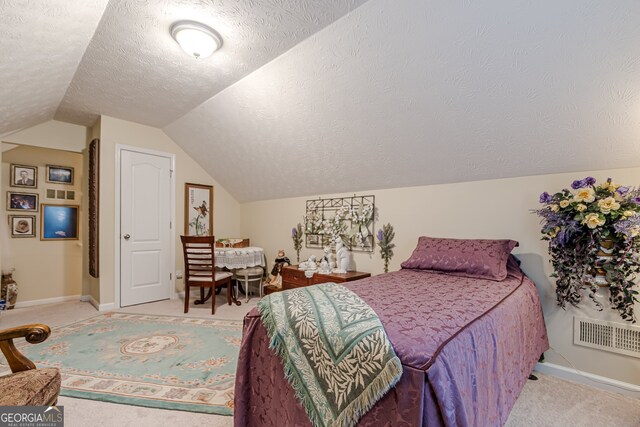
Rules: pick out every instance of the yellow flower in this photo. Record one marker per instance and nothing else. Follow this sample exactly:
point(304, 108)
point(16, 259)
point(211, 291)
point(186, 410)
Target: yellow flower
point(554, 208)
point(586, 195)
point(593, 220)
point(581, 208)
point(635, 231)
point(607, 205)
point(628, 213)
point(554, 232)
point(609, 185)
point(564, 203)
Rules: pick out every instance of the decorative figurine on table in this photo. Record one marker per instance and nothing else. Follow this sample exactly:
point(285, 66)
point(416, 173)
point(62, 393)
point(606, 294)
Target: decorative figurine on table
point(342, 255)
point(281, 261)
point(309, 264)
point(327, 263)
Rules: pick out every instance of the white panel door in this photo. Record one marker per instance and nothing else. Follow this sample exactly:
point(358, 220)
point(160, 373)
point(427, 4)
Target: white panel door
point(145, 228)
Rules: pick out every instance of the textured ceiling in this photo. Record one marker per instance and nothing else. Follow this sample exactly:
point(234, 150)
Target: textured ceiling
point(41, 45)
point(411, 93)
point(134, 70)
point(325, 96)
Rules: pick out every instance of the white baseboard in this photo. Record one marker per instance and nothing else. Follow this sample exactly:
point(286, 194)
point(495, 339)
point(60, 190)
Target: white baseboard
point(54, 300)
point(100, 307)
point(589, 379)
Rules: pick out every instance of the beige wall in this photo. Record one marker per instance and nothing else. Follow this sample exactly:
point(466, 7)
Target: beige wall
point(115, 131)
point(51, 134)
point(482, 209)
point(45, 269)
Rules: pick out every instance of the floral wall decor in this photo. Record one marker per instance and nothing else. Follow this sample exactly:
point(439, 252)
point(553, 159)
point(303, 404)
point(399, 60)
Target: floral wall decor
point(350, 218)
point(296, 236)
point(594, 239)
point(385, 239)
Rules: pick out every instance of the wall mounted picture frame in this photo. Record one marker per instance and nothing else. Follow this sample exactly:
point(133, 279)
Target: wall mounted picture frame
point(198, 209)
point(60, 174)
point(94, 205)
point(25, 202)
point(24, 176)
point(22, 225)
point(59, 222)
point(71, 195)
point(50, 193)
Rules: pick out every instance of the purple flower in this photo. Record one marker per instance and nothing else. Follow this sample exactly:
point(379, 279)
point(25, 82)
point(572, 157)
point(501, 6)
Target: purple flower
point(545, 198)
point(636, 200)
point(294, 232)
point(578, 184)
point(380, 234)
point(589, 180)
point(622, 190)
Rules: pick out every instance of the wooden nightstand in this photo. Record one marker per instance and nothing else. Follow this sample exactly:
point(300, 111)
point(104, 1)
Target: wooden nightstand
point(293, 278)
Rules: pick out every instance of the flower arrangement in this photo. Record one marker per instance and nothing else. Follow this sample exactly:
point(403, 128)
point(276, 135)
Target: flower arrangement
point(360, 219)
point(296, 235)
point(594, 230)
point(385, 237)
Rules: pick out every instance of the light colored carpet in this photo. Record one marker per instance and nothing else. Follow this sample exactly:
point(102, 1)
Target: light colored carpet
point(548, 402)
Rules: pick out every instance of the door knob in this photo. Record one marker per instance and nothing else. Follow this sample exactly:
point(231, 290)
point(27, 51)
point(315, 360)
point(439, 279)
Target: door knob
point(126, 237)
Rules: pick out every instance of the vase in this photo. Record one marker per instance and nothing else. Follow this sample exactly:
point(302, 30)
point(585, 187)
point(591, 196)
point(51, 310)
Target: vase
point(604, 255)
point(9, 290)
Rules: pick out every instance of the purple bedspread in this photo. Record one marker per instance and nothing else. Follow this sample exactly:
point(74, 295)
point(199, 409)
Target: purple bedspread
point(467, 347)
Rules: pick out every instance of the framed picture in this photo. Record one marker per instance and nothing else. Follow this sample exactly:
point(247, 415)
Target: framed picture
point(59, 222)
point(50, 193)
point(60, 174)
point(71, 195)
point(198, 210)
point(313, 240)
point(26, 202)
point(22, 225)
point(60, 194)
point(24, 176)
point(94, 196)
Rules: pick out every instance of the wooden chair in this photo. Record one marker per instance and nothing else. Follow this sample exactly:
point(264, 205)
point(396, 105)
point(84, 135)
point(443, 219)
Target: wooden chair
point(27, 386)
point(199, 269)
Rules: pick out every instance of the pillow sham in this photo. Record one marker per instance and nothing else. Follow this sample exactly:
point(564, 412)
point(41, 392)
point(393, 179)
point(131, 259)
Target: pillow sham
point(478, 258)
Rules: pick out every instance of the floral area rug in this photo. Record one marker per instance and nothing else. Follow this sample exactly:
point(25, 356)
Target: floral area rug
point(146, 360)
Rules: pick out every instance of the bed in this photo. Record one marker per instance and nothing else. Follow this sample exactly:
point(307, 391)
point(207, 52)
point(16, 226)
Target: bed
point(467, 346)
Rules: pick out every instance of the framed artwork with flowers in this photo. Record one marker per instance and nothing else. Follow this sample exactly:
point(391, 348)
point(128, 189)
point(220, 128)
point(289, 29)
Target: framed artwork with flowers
point(348, 218)
point(198, 210)
point(593, 232)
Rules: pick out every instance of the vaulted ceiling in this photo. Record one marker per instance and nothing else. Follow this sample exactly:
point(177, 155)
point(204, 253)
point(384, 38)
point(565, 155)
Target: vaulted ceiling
point(315, 97)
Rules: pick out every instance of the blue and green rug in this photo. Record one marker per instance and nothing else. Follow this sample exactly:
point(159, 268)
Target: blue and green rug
point(166, 362)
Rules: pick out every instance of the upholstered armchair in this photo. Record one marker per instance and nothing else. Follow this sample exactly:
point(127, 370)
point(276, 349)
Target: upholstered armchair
point(27, 386)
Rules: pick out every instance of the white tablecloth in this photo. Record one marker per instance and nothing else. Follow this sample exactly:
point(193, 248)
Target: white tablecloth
point(233, 258)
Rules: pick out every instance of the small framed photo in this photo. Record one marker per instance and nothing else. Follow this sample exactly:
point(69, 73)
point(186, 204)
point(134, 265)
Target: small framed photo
point(71, 195)
point(60, 174)
point(22, 225)
point(26, 202)
point(24, 176)
point(313, 241)
point(59, 222)
point(60, 194)
point(50, 193)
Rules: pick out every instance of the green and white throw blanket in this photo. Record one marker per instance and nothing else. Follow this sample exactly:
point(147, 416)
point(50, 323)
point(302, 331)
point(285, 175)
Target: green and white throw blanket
point(335, 352)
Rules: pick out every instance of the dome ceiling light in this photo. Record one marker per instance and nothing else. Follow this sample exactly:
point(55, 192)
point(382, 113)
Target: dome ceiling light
point(197, 39)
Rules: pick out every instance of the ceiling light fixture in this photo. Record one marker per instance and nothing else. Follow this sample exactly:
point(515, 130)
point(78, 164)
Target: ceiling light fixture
point(197, 39)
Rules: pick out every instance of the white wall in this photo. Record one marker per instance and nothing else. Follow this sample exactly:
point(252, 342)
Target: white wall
point(480, 209)
point(115, 131)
